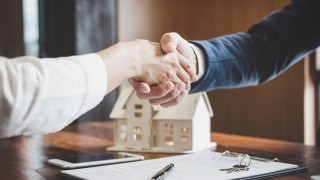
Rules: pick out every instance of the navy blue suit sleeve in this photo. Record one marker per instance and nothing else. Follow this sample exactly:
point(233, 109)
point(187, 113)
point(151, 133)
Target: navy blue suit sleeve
point(264, 51)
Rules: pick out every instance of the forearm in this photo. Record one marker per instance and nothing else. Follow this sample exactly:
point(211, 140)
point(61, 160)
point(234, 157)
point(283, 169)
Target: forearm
point(45, 95)
point(266, 50)
point(230, 62)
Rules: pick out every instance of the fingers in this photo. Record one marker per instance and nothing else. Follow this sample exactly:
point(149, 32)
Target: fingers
point(171, 97)
point(176, 100)
point(185, 65)
point(173, 42)
point(184, 77)
point(174, 61)
point(182, 71)
point(140, 87)
point(166, 94)
point(158, 91)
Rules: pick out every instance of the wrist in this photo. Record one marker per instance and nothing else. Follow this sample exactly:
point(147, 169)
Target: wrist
point(117, 59)
point(195, 60)
point(117, 64)
point(131, 53)
point(140, 56)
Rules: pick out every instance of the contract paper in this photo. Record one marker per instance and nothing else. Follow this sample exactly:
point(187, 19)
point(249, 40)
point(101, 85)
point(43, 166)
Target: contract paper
point(204, 165)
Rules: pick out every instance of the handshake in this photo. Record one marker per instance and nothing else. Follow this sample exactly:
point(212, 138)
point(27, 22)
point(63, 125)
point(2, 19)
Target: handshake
point(160, 72)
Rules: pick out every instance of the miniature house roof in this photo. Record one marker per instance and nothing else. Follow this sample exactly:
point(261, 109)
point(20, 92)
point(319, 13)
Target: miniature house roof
point(184, 111)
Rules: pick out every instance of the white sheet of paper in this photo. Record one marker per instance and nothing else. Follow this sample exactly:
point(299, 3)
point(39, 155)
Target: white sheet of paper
point(204, 165)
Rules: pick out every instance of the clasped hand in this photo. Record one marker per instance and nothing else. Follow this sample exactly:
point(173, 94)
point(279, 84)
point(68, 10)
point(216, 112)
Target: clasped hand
point(155, 67)
point(169, 92)
point(160, 72)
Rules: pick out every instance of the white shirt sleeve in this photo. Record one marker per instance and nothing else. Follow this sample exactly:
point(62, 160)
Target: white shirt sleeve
point(45, 95)
point(200, 59)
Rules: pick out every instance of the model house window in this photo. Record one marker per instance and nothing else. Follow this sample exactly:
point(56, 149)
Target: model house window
point(168, 131)
point(138, 114)
point(169, 141)
point(138, 106)
point(123, 133)
point(137, 133)
point(184, 134)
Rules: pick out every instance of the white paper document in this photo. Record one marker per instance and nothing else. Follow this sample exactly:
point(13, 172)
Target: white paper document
point(204, 165)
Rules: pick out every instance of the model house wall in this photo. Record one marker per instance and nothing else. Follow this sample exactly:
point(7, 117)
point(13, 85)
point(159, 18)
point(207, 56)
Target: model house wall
point(174, 134)
point(140, 126)
point(139, 114)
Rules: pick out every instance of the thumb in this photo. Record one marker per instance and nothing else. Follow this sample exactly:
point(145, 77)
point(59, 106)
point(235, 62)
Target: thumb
point(140, 87)
point(169, 42)
point(144, 88)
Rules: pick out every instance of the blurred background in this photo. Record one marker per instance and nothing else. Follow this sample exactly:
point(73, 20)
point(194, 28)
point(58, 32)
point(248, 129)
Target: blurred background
point(285, 109)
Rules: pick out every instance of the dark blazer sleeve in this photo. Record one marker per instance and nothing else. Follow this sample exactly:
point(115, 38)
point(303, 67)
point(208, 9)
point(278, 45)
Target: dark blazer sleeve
point(264, 51)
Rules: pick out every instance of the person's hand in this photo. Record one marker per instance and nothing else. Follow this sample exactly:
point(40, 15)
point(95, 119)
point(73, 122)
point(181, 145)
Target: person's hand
point(144, 61)
point(154, 67)
point(168, 94)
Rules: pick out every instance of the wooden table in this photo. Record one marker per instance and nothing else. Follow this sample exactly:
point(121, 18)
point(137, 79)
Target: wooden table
point(26, 157)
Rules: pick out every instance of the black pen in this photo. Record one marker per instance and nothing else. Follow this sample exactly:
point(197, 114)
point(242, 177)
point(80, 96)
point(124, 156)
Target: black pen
point(162, 172)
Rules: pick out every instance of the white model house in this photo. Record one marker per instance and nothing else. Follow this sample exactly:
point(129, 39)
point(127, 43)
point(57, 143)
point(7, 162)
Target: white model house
point(140, 126)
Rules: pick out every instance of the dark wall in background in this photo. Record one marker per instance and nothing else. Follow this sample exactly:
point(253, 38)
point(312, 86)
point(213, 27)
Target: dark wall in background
point(57, 28)
point(11, 28)
point(95, 25)
point(95, 30)
point(76, 27)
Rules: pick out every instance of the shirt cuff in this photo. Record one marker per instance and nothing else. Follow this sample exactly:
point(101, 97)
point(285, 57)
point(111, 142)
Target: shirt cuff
point(96, 81)
point(200, 60)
